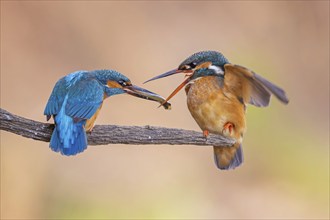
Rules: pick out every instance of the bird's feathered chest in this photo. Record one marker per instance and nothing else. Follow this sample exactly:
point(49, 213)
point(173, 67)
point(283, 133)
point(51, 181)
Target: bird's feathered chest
point(211, 106)
point(204, 89)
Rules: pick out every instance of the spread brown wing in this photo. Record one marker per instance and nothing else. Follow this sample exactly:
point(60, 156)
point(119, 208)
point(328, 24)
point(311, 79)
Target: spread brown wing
point(251, 87)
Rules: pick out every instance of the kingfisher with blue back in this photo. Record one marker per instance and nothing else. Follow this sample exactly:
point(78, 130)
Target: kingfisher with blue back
point(217, 95)
point(76, 101)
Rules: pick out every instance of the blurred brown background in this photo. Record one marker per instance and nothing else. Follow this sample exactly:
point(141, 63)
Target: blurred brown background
point(286, 168)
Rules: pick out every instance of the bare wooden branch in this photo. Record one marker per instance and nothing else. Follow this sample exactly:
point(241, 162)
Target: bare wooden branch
point(113, 134)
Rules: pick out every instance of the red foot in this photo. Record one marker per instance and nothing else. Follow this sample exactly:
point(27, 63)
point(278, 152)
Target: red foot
point(228, 127)
point(205, 133)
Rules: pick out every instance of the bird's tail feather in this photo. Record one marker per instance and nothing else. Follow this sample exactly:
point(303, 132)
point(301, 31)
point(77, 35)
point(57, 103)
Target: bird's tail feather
point(69, 137)
point(228, 157)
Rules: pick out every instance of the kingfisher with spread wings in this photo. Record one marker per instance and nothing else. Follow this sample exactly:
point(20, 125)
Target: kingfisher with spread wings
point(217, 95)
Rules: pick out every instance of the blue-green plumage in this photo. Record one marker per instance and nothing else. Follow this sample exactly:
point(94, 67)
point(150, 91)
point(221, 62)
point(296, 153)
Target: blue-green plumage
point(77, 97)
point(215, 57)
point(69, 137)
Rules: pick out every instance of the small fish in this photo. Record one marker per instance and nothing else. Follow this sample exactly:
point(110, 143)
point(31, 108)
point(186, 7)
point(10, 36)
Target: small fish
point(146, 94)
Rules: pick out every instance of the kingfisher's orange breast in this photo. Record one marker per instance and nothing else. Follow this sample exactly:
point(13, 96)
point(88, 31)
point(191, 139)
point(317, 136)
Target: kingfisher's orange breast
point(212, 108)
point(91, 122)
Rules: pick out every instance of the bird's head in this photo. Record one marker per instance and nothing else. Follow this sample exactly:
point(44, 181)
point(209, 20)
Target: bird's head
point(204, 63)
point(116, 83)
point(113, 81)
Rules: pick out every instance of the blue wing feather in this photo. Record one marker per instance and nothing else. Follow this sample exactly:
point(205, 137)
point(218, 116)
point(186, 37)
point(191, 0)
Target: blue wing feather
point(84, 98)
point(56, 98)
point(60, 90)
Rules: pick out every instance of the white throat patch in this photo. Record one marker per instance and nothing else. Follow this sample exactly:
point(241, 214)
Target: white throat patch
point(217, 69)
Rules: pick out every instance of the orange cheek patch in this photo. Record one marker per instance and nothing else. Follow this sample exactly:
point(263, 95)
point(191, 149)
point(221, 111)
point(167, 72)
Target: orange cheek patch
point(204, 65)
point(113, 84)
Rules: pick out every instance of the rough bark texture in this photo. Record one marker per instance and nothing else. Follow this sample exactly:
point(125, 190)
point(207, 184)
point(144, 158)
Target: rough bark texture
point(113, 134)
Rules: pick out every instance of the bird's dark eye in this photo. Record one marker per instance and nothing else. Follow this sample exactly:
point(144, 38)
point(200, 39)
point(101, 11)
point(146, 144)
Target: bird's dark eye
point(188, 66)
point(192, 65)
point(122, 83)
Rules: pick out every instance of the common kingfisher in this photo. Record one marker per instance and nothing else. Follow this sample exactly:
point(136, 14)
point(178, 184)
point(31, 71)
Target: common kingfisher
point(217, 95)
point(76, 101)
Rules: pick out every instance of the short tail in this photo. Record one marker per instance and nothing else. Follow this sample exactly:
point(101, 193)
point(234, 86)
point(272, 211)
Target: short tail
point(68, 138)
point(227, 158)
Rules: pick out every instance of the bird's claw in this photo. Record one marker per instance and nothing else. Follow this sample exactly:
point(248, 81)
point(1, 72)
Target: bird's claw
point(228, 128)
point(206, 134)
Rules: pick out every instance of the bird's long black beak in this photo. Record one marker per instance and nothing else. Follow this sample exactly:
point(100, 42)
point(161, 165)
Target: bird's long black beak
point(169, 73)
point(146, 94)
point(188, 74)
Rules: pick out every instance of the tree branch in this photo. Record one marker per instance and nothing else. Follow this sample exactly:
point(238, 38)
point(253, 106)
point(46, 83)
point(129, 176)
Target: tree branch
point(113, 134)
